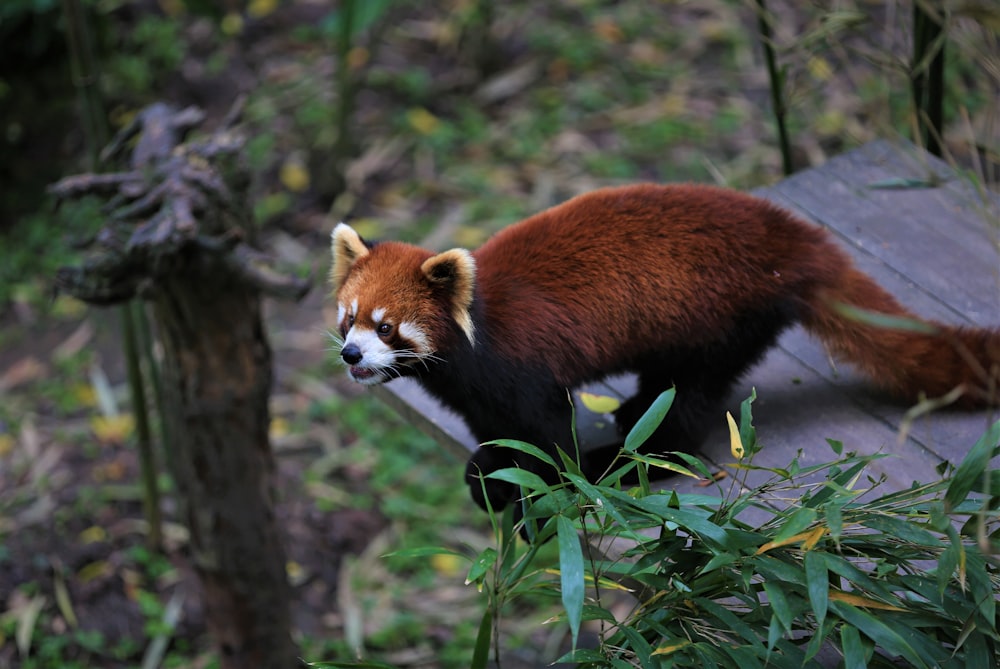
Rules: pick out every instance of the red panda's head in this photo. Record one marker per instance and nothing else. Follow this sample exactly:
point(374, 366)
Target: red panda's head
point(398, 306)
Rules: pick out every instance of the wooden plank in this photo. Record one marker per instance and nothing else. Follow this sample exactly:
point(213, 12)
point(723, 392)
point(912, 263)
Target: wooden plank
point(954, 278)
point(944, 240)
point(934, 248)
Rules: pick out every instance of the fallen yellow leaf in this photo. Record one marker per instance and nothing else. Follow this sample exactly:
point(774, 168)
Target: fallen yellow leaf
point(231, 24)
point(294, 175)
point(93, 534)
point(819, 68)
point(422, 120)
point(447, 564)
point(112, 429)
point(6, 444)
point(599, 403)
point(260, 8)
point(278, 428)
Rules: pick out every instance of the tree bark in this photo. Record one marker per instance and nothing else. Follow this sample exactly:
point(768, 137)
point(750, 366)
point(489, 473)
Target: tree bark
point(180, 235)
point(217, 377)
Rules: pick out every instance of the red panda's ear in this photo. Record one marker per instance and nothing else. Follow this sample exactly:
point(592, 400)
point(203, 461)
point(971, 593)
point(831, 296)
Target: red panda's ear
point(347, 247)
point(455, 271)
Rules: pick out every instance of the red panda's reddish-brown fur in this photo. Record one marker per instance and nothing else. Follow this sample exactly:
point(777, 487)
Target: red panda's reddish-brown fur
point(685, 285)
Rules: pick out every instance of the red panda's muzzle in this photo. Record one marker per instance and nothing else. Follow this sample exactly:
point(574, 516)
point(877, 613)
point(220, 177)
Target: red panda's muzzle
point(361, 374)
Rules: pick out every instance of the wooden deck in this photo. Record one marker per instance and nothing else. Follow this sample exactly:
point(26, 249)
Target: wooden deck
point(935, 248)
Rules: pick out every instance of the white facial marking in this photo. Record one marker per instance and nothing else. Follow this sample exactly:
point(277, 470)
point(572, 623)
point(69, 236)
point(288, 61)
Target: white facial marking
point(341, 312)
point(376, 357)
point(413, 334)
point(354, 307)
point(378, 315)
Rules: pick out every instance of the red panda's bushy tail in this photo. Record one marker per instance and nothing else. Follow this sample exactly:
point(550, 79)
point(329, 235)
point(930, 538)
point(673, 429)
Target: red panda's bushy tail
point(907, 356)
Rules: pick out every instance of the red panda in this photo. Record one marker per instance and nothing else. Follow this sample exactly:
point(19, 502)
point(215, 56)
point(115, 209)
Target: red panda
point(685, 285)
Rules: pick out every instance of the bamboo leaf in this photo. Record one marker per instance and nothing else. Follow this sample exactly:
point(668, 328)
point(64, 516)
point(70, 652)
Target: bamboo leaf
point(971, 469)
point(735, 443)
point(521, 477)
point(877, 631)
point(670, 648)
point(481, 652)
point(483, 562)
point(424, 551)
point(817, 585)
point(601, 501)
point(748, 433)
point(864, 602)
point(650, 420)
point(571, 574)
point(524, 447)
point(854, 651)
point(667, 465)
point(779, 604)
point(796, 523)
point(809, 539)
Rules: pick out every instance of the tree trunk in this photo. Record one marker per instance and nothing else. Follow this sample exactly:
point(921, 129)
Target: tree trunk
point(217, 377)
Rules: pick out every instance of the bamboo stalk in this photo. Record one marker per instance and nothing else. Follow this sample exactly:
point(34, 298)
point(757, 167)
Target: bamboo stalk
point(777, 83)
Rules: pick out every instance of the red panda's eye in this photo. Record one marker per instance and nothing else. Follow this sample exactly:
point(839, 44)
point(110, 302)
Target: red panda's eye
point(384, 329)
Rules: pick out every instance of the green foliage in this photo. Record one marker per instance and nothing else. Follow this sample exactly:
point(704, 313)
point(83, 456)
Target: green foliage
point(149, 51)
point(905, 576)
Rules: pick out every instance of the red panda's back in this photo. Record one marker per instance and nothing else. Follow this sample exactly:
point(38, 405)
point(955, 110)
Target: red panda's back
point(586, 281)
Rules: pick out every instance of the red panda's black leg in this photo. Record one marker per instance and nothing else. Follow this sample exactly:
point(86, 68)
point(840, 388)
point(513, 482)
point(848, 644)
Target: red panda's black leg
point(703, 377)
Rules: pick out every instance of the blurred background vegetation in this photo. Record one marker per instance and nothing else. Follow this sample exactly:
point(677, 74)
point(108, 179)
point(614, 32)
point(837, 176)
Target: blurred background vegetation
point(432, 122)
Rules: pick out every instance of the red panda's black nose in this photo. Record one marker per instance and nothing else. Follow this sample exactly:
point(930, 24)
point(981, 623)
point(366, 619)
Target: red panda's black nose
point(351, 354)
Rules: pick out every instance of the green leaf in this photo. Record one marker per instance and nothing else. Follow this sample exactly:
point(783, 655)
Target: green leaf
point(689, 519)
point(581, 655)
point(797, 522)
point(980, 585)
point(905, 530)
point(425, 551)
point(590, 612)
point(834, 521)
point(570, 464)
point(601, 501)
point(728, 619)
point(970, 471)
point(481, 653)
point(748, 433)
point(483, 562)
point(779, 604)
point(817, 585)
point(524, 447)
point(947, 564)
point(661, 463)
point(571, 578)
point(521, 477)
point(774, 631)
point(643, 651)
point(883, 636)
point(650, 420)
point(851, 646)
